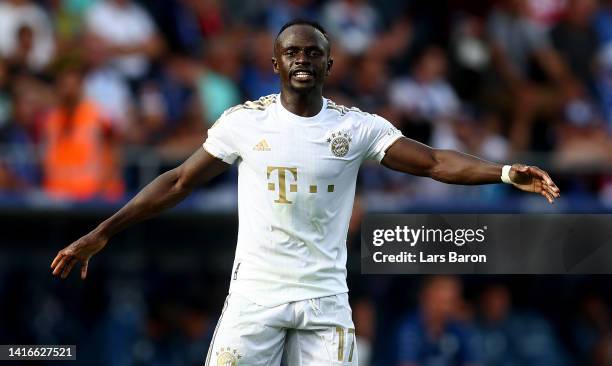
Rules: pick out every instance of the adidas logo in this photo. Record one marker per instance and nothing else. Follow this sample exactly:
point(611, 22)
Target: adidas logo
point(262, 146)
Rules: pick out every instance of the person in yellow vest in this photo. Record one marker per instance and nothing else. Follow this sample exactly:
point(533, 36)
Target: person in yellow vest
point(80, 160)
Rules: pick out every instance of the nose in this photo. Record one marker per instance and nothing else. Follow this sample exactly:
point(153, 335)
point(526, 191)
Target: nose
point(302, 58)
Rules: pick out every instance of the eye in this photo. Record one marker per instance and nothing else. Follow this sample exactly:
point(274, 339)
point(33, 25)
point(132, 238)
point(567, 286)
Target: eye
point(290, 52)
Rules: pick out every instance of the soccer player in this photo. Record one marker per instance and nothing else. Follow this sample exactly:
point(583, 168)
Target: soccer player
point(298, 154)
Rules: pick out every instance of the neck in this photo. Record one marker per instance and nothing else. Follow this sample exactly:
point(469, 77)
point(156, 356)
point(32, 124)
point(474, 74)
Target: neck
point(69, 104)
point(302, 104)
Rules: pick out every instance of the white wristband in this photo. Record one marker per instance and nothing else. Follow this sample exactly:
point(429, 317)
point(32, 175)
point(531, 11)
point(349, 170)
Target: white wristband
point(505, 176)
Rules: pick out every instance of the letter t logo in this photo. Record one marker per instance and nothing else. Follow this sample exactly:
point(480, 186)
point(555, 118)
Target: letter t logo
point(282, 182)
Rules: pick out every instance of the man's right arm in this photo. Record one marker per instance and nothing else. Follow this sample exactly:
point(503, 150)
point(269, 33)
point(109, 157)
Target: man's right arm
point(164, 192)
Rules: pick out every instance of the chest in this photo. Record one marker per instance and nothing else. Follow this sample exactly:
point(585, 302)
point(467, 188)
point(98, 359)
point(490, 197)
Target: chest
point(314, 152)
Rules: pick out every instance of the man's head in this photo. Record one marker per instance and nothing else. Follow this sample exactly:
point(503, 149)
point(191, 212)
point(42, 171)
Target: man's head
point(302, 56)
point(69, 72)
point(440, 298)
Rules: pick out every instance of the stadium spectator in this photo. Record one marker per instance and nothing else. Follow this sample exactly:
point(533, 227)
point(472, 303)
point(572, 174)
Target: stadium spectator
point(178, 21)
point(575, 39)
point(5, 101)
point(368, 84)
point(223, 55)
point(603, 25)
point(353, 23)
point(604, 82)
point(593, 331)
point(546, 13)
point(184, 121)
point(425, 100)
point(470, 58)
point(516, 41)
point(105, 86)
point(127, 33)
point(283, 11)
point(603, 21)
point(478, 133)
point(18, 156)
point(508, 339)
point(258, 77)
point(216, 92)
point(210, 17)
point(582, 138)
point(433, 336)
point(79, 159)
point(26, 33)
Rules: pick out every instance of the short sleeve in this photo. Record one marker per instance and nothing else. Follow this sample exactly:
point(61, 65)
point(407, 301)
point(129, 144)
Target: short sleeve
point(221, 141)
point(380, 135)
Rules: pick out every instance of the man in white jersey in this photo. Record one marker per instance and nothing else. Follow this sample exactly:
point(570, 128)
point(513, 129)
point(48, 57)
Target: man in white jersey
point(298, 155)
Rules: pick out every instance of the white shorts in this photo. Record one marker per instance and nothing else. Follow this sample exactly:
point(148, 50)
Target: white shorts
point(310, 332)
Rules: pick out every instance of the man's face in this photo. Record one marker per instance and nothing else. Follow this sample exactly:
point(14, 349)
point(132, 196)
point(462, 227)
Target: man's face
point(301, 57)
point(69, 86)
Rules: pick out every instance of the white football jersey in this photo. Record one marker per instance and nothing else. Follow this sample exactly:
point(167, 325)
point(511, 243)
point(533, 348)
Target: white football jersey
point(296, 185)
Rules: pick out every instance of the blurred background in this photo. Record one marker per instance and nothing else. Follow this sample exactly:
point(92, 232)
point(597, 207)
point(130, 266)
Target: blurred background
point(97, 97)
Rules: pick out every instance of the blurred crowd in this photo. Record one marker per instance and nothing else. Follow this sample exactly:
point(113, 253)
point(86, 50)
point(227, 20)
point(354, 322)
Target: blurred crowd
point(143, 318)
point(447, 329)
point(82, 80)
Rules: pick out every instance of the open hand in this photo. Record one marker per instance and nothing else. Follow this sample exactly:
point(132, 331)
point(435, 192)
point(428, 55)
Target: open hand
point(78, 252)
point(533, 179)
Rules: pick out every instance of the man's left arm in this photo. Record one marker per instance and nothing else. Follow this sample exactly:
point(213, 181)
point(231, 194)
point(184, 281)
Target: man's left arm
point(448, 166)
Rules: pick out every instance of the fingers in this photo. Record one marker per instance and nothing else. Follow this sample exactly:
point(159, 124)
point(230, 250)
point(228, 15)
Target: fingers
point(534, 170)
point(60, 265)
point(68, 267)
point(548, 196)
point(56, 260)
point(545, 177)
point(553, 191)
point(547, 183)
point(63, 263)
point(539, 186)
point(84, 270)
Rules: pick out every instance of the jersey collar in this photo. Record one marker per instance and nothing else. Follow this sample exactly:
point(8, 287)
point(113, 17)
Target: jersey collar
point(287, 115)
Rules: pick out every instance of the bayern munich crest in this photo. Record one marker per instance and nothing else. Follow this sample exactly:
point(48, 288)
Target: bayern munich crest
point(227, 357)
point(339, 143)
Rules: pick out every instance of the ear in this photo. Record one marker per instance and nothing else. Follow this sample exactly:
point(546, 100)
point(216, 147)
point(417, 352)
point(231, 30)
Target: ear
point(275, 65)
point(330, 62)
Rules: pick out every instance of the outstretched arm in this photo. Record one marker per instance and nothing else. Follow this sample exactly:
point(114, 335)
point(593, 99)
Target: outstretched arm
point(448, 166)
point(164, 192)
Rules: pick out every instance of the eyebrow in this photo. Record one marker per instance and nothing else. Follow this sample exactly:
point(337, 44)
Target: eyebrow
point(309, 47)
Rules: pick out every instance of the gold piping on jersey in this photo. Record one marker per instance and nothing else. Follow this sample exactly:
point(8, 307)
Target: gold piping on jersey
point(341, 108)
point(259, 105)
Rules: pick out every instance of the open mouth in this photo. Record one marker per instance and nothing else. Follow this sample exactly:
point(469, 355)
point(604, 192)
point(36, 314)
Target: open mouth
point(302, 75)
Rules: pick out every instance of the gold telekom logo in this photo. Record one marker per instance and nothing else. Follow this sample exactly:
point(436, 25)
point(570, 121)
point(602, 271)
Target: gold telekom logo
point(282, 173)
point(282, 184)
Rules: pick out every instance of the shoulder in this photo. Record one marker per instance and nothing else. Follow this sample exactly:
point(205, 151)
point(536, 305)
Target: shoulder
point(345, 111)
point(248, 109)
point(252, 106)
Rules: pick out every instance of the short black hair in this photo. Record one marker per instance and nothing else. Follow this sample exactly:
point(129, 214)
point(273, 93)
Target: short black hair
point(300, 21)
